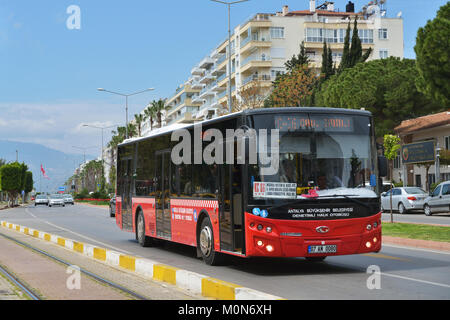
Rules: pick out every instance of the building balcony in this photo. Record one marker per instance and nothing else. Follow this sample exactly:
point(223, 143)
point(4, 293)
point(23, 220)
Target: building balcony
point(197, 71)
point(259, 61)
point(263, 79)
point(255, 41)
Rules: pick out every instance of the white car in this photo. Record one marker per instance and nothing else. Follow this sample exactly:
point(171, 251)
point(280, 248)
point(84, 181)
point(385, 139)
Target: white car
point(404, 199)
point(439, 200)
point(56, 200)
point(68, 199)
point(41, 199)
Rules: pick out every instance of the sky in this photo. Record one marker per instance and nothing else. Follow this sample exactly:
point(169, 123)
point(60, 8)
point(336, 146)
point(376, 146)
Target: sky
point(49, 74)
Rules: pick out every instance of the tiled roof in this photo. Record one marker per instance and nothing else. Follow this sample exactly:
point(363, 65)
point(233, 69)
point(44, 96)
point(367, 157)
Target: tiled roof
point(425, 122)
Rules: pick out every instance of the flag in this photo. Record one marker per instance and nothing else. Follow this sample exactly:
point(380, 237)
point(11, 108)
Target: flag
point(43, 173)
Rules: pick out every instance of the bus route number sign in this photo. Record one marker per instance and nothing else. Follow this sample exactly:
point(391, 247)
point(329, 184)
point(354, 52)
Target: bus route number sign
point(314, 123)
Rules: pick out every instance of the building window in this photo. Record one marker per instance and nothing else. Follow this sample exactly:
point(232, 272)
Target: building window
point(382, 34)
point(277, 32)
point(383, 53)
point(447, 143)
point(365, 35)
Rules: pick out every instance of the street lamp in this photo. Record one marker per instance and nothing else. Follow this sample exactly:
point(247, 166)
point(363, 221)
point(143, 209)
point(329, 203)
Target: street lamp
point(228, 4)
point(126, 101)
point(84, 151)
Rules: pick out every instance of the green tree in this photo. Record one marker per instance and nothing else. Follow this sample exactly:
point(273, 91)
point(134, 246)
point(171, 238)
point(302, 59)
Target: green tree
point(159, 107)
point(385, 87)
point(294, 89)
point(139, 119)
point(433, 60)
point(150, 115)
point(297, 60)
point(391, 146)
point(353, 54)
point(11, 180)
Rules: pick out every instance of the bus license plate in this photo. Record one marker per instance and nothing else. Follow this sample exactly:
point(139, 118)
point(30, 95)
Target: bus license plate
point(323, 249)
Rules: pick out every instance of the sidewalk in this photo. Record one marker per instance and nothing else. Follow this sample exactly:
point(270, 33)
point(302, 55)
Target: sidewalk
point(416, 243)
point(50, 278)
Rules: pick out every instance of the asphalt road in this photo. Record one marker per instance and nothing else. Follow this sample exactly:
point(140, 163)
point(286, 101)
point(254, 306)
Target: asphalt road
point(405, 273)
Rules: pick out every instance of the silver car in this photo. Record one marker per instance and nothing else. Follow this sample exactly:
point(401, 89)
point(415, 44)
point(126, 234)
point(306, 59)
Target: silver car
point(439, 200)
point(41, 199)
point(56, 200)
point(404, 199)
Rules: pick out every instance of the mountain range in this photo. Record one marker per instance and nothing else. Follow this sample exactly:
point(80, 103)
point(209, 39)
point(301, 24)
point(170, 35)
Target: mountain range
point(58, 166)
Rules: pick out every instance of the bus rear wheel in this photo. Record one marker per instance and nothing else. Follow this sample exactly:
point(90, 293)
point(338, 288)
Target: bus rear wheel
point(143, 240)
point(206, 244)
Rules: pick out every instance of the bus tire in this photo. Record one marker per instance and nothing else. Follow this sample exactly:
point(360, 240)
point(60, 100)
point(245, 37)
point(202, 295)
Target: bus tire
point(143, 240)
point(206, 244)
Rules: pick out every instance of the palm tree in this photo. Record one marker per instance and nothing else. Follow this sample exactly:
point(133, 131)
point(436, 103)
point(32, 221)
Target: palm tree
point(149, 114)
point(159, 107)
point(139, 119)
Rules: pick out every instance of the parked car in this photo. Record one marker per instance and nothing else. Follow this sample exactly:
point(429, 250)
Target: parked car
point(112, 207)
point(439, 199)
point(41, 199)
point(404, 199)
point(68, 199)
point(56, 200)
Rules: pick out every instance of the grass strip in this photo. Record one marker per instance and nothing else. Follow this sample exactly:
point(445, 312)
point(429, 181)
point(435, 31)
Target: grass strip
point(416, 231)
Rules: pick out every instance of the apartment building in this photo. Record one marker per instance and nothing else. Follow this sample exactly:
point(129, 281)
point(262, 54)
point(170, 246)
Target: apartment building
point(261, 45)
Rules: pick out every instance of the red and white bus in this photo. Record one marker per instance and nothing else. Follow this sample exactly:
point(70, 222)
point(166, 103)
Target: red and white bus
point(316, 204)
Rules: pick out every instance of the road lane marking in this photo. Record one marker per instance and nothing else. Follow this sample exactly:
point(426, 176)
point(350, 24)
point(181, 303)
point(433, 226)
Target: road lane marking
point(383, 256)
point(78, 234)
point(416, 280)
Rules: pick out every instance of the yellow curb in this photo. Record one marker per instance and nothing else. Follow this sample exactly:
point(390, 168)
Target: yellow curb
point(218, 289)
point(47, 237)
point(127, 262)
point(26, 231)
point(17, 228)
point(78, 247)
point(62, 242)
point(165, 273)
point(100, 254)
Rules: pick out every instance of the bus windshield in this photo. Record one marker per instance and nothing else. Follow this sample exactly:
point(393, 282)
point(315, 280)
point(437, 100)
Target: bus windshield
point(320, 155)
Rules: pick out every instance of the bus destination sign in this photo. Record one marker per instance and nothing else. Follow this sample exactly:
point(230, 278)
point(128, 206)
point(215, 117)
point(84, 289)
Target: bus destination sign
point(335, 123)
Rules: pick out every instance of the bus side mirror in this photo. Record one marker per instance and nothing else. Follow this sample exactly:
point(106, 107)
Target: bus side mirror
point(382, 166)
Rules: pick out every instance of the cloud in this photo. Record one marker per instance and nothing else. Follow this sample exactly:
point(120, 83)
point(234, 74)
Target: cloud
point(58, 125)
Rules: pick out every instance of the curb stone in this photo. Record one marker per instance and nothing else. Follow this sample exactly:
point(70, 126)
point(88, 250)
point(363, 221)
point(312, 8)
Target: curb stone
point(196, 283)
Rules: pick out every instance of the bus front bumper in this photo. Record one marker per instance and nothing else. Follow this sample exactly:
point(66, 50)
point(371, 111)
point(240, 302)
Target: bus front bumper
point(293, 238)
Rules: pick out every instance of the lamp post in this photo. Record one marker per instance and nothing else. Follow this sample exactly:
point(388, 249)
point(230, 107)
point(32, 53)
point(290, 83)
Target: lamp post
point(228, 4)
point(437, 165)
point(126, 101)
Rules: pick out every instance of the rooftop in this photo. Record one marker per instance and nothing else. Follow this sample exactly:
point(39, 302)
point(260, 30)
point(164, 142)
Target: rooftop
point(422, 123)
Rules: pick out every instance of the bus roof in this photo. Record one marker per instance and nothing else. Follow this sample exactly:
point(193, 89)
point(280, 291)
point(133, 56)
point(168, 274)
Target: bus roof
point(178, 126)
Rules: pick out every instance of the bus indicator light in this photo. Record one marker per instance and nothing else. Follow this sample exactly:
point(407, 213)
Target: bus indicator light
point(269, 248)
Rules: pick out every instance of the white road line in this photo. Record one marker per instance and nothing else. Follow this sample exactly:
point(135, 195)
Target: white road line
point(415, 248)
point(416, 280)
point(80, 235)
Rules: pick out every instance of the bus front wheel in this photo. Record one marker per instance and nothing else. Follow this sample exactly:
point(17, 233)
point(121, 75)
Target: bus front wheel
point(206, 244)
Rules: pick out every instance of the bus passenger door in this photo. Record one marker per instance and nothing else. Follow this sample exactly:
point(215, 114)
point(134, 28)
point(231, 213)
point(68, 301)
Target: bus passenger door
point(127, 223)
point(163, 215)
point(231, 209)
